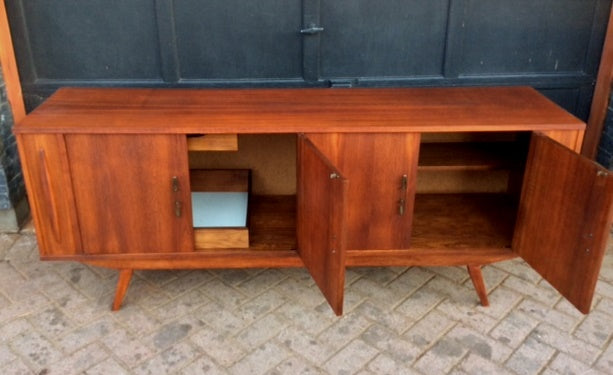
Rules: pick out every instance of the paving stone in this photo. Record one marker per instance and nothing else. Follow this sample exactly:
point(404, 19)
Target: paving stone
point(186, 281)
point(380, 295)
point(605, 362)
point(345, 329)
point(126, 347)
point(455, 274)
point(595, 329)
point(514, 329)
point(260, 305)
point(261, 360)
point(309, 347)
point(14, 328)
point(23, 250)
point(224, 294)
point(223, 348)
point(79, 361)
point(260, 331)
point(566, 365)
point(396, 321)
point(300, 292)
point(386, 365)
point(236, 276)
point(295, 365)
point(379, 275)
point(566, 343)
point(492, 277)
point(396, 347)
point(169, 360)
point(51, 322)
point(226, 322)
point(604, 289)
point(477, 364)
point(136, 319)
point(32, 303)
point(261, 282)
point(309, 320)
point(519, 268)
point(531, 357)
point(441, 357)
point(35, 349)
point(6, 356)
point(543, 294)
point(351, 358)
point(17, 367)
point(180, 306)
point(605, 306)
point(6, 241)
point(170, 334)
point(479, 344)
point(502, 300)
point(419, 304)
point(567, 308)
point(107, 367)
point(544, 313)
point(429, 329)
point(86, 335)
point(202, 365)
point(467, 314)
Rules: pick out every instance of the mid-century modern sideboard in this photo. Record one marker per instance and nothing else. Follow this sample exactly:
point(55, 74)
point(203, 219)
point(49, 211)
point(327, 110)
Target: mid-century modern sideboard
point(335, 178)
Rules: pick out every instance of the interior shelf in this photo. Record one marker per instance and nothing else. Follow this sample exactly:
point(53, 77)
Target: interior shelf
point(272, 223)
point(467, 156)
point(463, 221)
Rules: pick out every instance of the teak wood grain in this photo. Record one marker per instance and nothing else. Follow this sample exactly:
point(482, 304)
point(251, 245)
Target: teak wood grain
point(219, 111)
point(321, 229)
point(124, 193)
point(564, 219)
point(51, 196)
point(375, 165)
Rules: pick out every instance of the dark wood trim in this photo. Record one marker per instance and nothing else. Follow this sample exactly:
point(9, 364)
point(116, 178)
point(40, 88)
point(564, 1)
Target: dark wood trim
point(600, 101)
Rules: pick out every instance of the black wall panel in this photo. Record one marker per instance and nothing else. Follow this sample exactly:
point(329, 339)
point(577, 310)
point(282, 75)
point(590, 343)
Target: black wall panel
point(553, 45)
point(110, 39)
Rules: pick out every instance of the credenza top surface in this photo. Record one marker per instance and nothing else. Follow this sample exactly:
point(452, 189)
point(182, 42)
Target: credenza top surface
point(296, 110)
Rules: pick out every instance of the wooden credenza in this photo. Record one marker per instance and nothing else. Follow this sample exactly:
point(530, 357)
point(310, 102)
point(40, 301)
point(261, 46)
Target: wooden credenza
point(340, 178)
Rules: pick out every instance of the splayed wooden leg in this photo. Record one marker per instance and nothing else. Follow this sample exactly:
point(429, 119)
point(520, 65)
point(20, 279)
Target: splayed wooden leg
point(477, 278)
point(125, 276)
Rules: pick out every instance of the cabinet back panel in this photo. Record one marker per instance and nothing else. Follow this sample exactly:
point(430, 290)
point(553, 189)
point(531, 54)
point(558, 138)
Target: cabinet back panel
point(124, 196)
point(271, 159)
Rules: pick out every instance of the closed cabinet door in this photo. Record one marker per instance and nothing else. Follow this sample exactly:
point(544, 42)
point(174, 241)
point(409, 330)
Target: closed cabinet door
point(564, 219)
point(132, 192)
point(47, 177)
point(381, 169)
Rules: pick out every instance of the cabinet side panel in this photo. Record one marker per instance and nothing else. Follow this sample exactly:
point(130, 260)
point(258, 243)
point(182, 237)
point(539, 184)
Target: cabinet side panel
point(125, 194)
point(47, 177)
point(380, 204)
point(572, 139)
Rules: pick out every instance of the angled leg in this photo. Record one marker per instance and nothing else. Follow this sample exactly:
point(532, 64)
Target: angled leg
point(477, 278)
point(125, 275)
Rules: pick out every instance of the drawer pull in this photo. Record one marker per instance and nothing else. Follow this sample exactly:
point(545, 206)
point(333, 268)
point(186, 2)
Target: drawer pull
point(175, 184)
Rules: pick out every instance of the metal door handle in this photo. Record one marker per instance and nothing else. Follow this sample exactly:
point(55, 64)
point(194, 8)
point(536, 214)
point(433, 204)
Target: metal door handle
point(312, 29)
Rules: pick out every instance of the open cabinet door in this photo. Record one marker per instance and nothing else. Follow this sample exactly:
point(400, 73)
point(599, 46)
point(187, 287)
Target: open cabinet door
point(321, 198)
point(564, 219)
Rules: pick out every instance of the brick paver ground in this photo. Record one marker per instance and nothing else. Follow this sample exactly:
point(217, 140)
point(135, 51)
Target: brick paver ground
point(55, 319)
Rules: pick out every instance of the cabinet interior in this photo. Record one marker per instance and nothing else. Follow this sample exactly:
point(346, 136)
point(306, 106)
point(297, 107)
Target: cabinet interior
point(271, 160)
point(468, 189)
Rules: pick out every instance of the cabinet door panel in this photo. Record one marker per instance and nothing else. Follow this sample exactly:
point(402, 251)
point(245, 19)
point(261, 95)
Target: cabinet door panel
point(564, 218)
point(47, 177)
point(125, 196)
point(320, 222)
point(375, 164)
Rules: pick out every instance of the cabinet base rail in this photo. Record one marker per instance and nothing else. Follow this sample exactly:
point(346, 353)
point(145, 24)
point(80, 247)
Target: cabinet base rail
point(471, 258)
